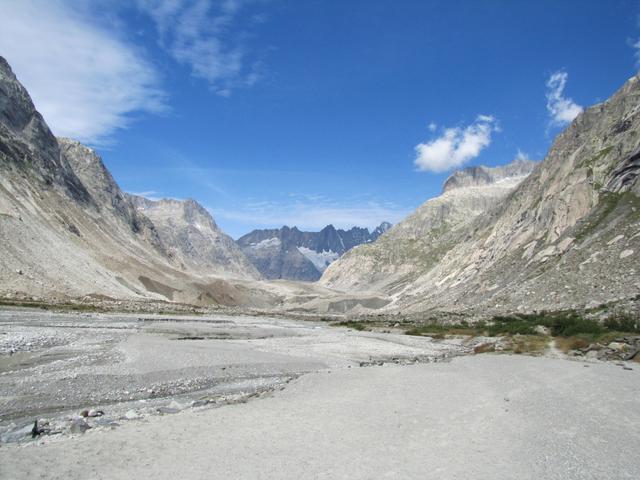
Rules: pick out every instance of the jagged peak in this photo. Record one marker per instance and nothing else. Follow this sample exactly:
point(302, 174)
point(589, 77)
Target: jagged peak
point(480, 175)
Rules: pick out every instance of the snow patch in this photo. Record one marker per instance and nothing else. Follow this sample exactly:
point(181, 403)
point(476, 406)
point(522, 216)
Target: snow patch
point(268, 243)
point(321, 260)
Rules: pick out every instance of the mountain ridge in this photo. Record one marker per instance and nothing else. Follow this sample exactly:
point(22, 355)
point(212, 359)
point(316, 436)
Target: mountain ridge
point(289, 253)
point(67, 230)
point(565, 236)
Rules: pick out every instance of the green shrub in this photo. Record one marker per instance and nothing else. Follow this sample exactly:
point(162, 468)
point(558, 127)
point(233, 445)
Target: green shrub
point(623, 323)
point(571, 324)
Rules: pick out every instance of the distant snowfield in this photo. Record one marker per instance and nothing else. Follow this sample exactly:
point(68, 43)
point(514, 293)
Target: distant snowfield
point(268, 243)
point(321, 260)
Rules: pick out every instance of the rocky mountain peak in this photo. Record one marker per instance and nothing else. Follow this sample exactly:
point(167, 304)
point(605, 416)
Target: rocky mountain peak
point(380, 229)
point(17, 112)
point(296, 255)
point(189, 231)
point(28, 145)
point(478, 176)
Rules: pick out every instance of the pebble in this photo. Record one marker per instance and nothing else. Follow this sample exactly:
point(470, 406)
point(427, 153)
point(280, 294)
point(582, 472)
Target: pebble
point(132, 415)
point(78, 425)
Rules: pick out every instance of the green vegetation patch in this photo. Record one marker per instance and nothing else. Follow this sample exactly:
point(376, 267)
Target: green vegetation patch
point(563, 324)
point(609, 202)
point(590, 162)
point(355, 325)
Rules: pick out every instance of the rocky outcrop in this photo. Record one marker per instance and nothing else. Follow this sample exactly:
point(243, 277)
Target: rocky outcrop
point(418, 242)
point(288, 253)
point(480, 176)
point(565, 237)
point(68, 231)
point(192, 238)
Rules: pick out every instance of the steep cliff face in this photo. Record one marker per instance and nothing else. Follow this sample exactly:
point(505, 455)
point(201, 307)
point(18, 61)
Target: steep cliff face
point(566, 236)
point(192, 238)
point(288, 253)
point(67, 230)
point(482, 176)
point(418, 242)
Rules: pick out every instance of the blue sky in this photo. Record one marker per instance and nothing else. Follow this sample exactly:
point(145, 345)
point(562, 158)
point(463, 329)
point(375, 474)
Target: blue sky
point(305, 112)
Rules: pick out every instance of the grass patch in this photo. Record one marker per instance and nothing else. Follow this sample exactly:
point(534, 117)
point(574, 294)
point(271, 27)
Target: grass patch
point(484, 348)
point(572, 343)
point(515, 325)
point(360, 326)
point(623, 323)
point(439, 330)
point(76, 307)
point(531, 344)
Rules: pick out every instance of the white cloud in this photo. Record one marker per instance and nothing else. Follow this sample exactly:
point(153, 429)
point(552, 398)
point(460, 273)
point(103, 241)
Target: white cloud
point(85, 80)
point(636, 45)
point(148, 194)
point(456, 146)
point(522, 155)
point(198, 34)
point(432, 127)
point(562, 110)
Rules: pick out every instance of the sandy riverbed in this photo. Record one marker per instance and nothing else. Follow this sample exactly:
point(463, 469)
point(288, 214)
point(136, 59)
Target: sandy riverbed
point(483, 416)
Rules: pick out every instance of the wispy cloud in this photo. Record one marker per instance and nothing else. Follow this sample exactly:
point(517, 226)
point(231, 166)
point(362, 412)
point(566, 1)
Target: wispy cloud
point(312, 214)
point(149, 194)
point(86, 81)
point(562, 110)
point(204, 35)
point(522, 155)
point(456, 146)
point(636, 47)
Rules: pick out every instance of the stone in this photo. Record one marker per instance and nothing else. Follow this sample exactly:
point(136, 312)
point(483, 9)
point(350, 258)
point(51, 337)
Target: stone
point(79, 425)
point(132, 415)
point(167, 410)
point(17, 434)
point(617, 346)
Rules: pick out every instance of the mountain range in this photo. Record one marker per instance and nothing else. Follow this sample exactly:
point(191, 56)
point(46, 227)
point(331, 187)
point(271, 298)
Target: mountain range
point(528, 236)
point(565, 236)
point(288, 253)
point(67, 230)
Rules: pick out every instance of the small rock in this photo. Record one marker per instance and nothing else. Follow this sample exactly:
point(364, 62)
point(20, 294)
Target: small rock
point(132, 415)
point(17, 434)
point(625, 254)
point(106, 421)
point(167, 410)
point(542, 330)
point(78, 425)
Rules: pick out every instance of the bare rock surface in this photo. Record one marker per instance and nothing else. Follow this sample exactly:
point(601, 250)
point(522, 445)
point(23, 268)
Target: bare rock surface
point(561, 238)
point(193, 238)
point(418, 242)
point(289, 253)
point(68, 231)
